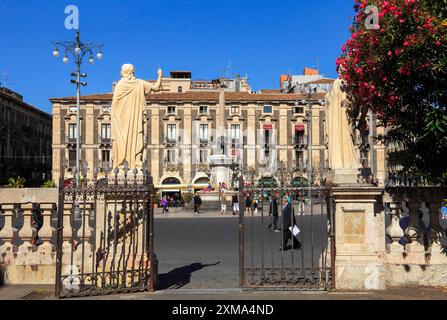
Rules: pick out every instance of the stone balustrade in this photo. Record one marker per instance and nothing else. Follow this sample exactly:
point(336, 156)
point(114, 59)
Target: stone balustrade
point(416, 249)
point(28, 221)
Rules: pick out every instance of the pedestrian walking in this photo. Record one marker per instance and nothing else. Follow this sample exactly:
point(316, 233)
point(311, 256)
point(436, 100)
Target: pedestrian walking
point(288, 222)
point(197, 203)
point(235, 204)
point(248, 203)
point(273, 212)
point(164, 204)
point(255, 205)
point(223, 205)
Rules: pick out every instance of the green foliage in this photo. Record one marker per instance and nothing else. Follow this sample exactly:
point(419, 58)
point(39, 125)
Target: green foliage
point(49, 184)
point(19, 182)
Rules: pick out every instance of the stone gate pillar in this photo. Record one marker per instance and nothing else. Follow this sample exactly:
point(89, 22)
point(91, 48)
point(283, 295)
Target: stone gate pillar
point(359, 237)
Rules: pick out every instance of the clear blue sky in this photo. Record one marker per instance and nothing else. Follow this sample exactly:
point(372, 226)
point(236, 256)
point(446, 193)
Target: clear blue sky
point(262, 38)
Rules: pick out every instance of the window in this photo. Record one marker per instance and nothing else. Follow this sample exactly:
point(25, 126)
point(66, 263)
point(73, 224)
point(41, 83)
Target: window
point(267, 135)
point(299, 137)
point(172, 136)
point(170, 156)
point(180, 89)
point(71, 158)
point(72, 132)
point(299, 158)
point(203, 156)
point(105, 155)
point(105, 131)
point(203, 132)
point(171, 110)
point(235, 131)
point(203, 109)
point(298, 110)
point(268, 109)
point(234, 109)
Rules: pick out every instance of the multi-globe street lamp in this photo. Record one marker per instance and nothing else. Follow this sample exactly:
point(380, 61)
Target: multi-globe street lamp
point(78, 50)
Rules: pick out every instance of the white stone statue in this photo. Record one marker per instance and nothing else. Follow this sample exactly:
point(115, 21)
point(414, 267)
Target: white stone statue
point(342, 154)
point(128, 110)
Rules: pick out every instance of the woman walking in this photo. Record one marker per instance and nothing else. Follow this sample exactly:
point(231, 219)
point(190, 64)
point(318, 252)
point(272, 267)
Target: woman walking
point(164, 204)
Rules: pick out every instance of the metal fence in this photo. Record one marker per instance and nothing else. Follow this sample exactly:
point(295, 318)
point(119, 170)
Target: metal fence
point(105, 234)
point(269, 258)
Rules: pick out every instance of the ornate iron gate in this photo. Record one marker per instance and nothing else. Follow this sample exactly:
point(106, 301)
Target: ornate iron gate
point(105, 234)
point(264, 261)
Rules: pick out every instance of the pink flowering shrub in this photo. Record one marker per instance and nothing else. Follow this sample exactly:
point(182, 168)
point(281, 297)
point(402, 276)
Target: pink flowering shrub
point(399, 71)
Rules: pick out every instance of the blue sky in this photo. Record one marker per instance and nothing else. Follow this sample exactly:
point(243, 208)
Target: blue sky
point(261, 38)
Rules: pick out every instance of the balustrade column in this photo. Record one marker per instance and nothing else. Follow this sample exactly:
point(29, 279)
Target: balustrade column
point(67, 241)
point(47, 248)
point(84, 249)
point(7, 249)
point(26, 234)
point(414, 230)
point(394, 231)
point(435, 231)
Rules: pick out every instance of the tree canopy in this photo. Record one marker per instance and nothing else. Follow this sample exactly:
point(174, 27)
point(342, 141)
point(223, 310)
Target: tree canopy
point(398, 69)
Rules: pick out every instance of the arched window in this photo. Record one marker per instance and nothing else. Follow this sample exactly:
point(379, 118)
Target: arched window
point(180, 89)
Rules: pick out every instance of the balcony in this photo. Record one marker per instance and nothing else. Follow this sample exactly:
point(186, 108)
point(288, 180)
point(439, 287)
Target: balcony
point(203, 141)
point(70, 140)
point(300, 142)
point(105, 141)
point(171, 141)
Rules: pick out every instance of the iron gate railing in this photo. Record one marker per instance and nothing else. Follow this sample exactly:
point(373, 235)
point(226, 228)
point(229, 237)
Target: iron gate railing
point(105, 234)
point(264, 261)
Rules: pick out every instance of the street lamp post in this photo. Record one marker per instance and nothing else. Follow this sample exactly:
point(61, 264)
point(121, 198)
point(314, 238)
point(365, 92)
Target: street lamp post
point(309, 136)
point(78, 50)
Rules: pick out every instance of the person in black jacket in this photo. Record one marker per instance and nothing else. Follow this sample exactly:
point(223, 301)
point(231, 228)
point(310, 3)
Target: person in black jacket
point(273, 212)
point(197, 203)
point(288, 220)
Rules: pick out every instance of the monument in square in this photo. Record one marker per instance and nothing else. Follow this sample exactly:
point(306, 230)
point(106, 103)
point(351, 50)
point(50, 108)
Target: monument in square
point(220, 162)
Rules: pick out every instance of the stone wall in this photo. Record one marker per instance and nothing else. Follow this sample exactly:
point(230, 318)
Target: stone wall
point(408, 251)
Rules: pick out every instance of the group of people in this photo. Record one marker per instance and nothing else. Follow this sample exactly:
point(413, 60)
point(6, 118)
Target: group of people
point(222, 200)
point(251, 204)
point(197, 201)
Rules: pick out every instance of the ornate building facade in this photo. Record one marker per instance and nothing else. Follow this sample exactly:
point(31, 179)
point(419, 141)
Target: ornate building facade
point(25, 140)
point(262, 130)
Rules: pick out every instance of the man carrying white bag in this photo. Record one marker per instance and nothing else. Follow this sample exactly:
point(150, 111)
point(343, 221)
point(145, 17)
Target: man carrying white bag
point(289, 227)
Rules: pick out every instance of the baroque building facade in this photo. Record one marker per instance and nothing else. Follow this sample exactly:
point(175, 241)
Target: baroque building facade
point(25, 140)
point(180, 130)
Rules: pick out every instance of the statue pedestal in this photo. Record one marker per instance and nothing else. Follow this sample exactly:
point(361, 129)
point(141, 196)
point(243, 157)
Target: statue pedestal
point(220, 165)
point(359, 260)
point(341, 176)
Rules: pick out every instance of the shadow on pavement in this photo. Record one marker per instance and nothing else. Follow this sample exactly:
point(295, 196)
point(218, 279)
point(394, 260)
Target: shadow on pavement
point(180, 277)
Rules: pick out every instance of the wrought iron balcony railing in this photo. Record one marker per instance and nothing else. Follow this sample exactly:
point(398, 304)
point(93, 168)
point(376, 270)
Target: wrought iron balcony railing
point(105, 141)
